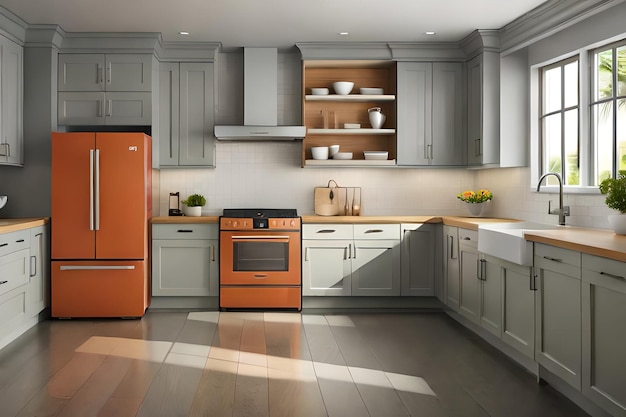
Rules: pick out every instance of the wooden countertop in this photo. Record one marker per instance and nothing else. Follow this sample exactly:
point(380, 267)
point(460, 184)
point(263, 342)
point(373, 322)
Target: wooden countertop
point(13, 225)
point(184, 219)
point(370, 219)
point(597, 242)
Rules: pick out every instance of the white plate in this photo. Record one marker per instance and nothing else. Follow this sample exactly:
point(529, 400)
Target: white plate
point(371, 90)
point(343, 155)
point(378, 155)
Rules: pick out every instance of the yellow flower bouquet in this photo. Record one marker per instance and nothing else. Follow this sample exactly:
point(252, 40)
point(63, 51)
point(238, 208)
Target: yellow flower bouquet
point(479, 196)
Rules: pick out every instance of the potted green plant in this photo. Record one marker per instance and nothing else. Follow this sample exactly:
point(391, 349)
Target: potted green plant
point(192, 206)
point(615, 191)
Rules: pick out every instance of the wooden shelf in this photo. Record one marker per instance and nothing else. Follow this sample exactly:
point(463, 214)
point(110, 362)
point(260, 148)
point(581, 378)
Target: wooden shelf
point(349, 162)
point(351, 131)
point(351, 97)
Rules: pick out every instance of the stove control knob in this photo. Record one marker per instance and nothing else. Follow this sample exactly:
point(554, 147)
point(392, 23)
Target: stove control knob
point(292, 223)
point(235, 223)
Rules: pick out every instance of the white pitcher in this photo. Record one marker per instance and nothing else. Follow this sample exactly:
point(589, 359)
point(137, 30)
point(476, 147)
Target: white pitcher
point(377, 119)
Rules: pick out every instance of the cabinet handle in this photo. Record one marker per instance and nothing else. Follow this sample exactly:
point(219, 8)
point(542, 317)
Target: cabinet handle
point(109, 73)
point(374, 231)
point(260, 276)
point(354, 257)
point(306, 254)
point(19, 241)
point(477, 151)
point(3, 282)
point(212, 253)
point(326, 231)
point(7, 149)
point(100, 75)
point(184, 231)
point(3, 245)
point(451, 238)
point(109, 109)
point(429, 152)
point(532, 278)
point(100, 106)
point(33, 265)
point(553, 259)
point(467, 238)
point(613, 276)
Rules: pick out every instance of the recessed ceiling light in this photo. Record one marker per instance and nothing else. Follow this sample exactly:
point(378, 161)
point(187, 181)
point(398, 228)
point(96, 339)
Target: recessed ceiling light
point(430, 32)
point(183, 32)
point(344, 33)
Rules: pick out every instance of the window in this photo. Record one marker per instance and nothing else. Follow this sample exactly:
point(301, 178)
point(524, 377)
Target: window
point(559, 121)
point(608, 111)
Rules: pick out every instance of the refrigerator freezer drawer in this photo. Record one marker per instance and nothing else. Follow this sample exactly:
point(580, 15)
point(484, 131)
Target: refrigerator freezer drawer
point(99, 288)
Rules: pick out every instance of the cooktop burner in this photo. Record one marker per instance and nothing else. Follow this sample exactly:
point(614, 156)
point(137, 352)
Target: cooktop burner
point(261, 213)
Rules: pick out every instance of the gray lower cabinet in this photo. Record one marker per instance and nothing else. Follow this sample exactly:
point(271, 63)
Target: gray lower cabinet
point(480, 284)
point(603, 335)
point(346, 259)
point(518, 303)
point(104, 108)
point(186, 115)
point(418, 259)
point(452, 273)
point(430, 114)
point(184, 260)
point(558, 312)
point(11, 103)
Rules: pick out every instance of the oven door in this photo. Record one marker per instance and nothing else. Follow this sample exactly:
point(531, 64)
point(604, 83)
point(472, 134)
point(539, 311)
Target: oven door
point(254, 257)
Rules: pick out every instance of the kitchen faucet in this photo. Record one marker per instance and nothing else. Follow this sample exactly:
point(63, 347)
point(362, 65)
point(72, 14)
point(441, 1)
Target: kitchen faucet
point(561, 211)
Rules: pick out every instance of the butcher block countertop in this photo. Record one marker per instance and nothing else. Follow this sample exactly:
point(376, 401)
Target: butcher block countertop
point(13, 225)
point(597, 242)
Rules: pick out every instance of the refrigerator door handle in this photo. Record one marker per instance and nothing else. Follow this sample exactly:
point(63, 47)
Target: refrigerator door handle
point(91, 179)
point(94, 267)
point(97, 191)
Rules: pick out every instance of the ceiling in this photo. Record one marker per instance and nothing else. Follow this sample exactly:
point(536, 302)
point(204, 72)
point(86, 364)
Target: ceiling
point(277, 23)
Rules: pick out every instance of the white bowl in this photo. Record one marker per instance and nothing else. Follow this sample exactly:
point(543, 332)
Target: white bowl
point(319, 91)
point(343, 155)
point(343, 87)
point(376, 155)
point(371, 90)
point(3, 200)
point(332, 150)
point(319, 152)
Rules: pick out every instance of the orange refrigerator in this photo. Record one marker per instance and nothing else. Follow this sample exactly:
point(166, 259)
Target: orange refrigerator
point(101, 206)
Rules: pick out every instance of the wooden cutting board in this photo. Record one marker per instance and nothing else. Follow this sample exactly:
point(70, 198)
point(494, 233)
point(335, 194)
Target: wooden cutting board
point(326, 201)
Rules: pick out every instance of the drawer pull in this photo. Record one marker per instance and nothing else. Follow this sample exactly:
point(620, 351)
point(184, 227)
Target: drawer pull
point(184, 231)
point(553, 259)
point(3, 282)
point(260, 276)
point(326, 231)
point(374, 231)
point(613, 276)
point(19, 241)
point(3, 245)
point(467, 238)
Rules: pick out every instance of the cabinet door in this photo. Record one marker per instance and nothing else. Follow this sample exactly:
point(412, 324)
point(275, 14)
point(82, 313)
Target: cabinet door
point(183, 267)
point(197, 115)
point(451, 264)
point(128, 72)
point(81, 72)
point(490, 295)
point(326, 267)
point(604, 339)
point(418, 259)
point(39, 269)
point(469, 297)
point(518, 320)
point(414, 120)
point(448, 142)
point(169, 105)
point(81, 109)
point(11, 92)
point(558, 317)
point(376, 267)
point(128, 109)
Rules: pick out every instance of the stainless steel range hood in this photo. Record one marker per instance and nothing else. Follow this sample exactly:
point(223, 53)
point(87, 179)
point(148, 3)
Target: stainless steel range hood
point(260, 89)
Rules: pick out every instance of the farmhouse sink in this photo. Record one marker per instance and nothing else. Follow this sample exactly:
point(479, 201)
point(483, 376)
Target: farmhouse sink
point(506, 240)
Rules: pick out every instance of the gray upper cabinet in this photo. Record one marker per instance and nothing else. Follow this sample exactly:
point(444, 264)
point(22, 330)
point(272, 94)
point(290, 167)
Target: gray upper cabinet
point(186, 115)
point(430, 100)
point(483, 109)
point(105, 89)
point(105, 72)
point(11, 103)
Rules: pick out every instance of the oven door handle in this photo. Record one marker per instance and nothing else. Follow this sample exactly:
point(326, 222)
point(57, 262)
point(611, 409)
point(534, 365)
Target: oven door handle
point(266, 237)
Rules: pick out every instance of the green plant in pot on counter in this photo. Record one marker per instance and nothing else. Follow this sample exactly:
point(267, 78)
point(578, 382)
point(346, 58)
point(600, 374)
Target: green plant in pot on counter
point(615, 190)
point(193, 205)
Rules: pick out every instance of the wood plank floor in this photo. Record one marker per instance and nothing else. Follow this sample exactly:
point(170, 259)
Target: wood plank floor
point(267, 365)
